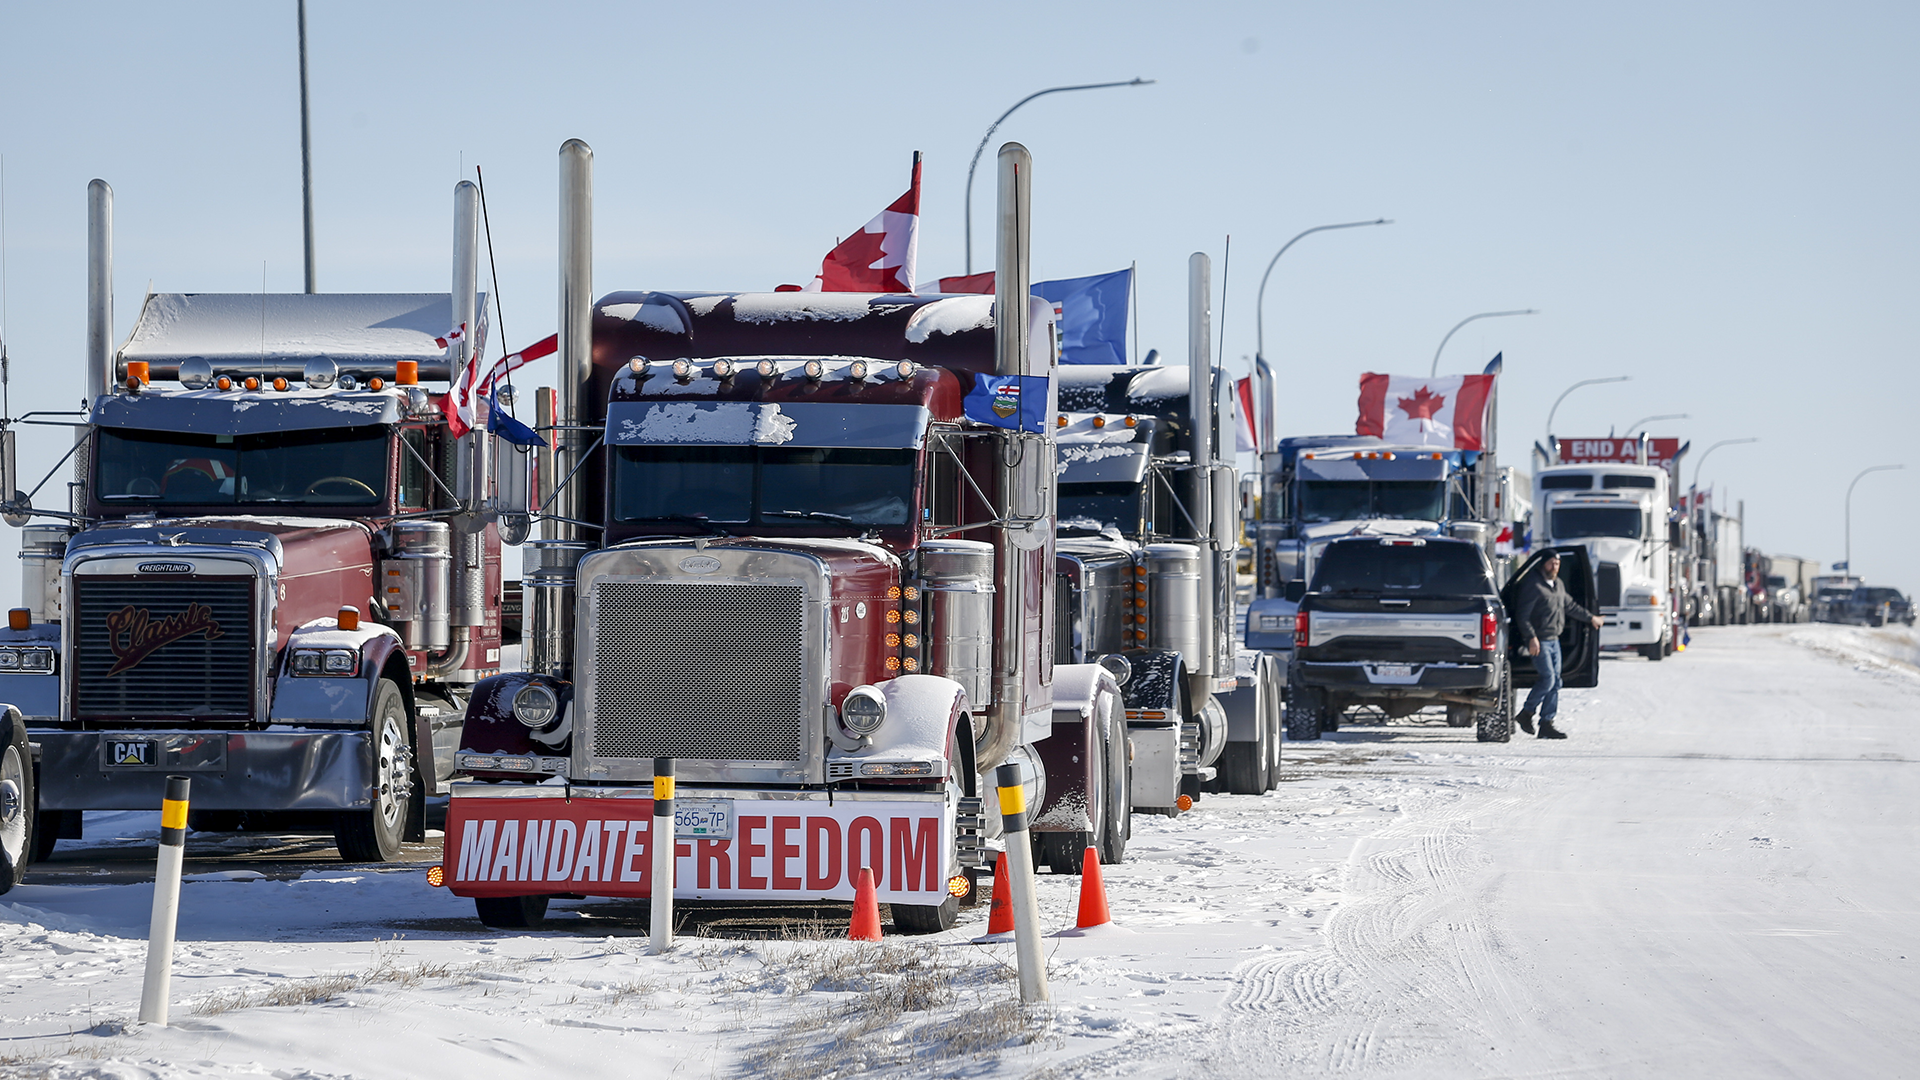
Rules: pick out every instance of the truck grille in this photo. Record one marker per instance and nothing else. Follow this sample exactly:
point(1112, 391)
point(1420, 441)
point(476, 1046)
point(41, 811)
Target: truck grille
point(185, 647)
point(698, 669)
point(1609, 582)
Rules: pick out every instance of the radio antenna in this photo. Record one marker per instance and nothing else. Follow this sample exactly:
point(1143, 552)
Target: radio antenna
point(6, 373)
point(494, 268)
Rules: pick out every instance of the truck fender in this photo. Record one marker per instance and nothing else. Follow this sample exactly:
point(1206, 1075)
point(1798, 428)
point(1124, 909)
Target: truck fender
point(1083, 695)
point(298, 698)
point(923, 717)
point(1156, 682)
point(1245, 705)
point(490, 727)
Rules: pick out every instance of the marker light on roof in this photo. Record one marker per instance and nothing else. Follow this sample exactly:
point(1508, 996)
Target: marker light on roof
point(723, 369)
point(223, 383)
point(857, 371)
point(1099, 421)
point(376, 383)
point(905, 369)
point(814, 369)
point(252, 383)
point(767, 369)
point(683, 369)
point(280, 382)
point(639, 365)
point(1132, 422)
point(1061, 423)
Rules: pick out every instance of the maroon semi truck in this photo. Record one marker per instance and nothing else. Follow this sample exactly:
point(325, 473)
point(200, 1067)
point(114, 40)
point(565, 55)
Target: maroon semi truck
point(808, 555)
point(277, 573)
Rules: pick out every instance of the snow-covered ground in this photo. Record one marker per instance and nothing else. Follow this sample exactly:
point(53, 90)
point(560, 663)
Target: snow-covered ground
point(1715, 876)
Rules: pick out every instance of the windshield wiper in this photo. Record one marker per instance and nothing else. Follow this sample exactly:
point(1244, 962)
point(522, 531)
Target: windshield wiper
point(822, 514)
point(694, 519)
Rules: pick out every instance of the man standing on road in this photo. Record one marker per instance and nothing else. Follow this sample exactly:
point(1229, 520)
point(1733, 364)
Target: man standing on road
point(1543, 608)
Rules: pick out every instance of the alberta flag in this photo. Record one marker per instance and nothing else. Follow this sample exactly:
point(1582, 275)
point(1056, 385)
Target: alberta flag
point(1008, 401)
point(1406, 409)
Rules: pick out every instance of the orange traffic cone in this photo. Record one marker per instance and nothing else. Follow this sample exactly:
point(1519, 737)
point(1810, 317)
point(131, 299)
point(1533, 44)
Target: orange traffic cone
point(1093, 893)
point(1000, 916)
point(866, 910)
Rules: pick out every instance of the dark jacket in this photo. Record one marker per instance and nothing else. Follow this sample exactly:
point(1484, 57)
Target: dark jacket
point(1543, 606)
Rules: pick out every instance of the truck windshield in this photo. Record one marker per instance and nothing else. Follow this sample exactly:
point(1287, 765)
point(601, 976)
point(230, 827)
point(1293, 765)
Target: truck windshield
point(1091, 506)
point(332, 466)
point(1352, 500)
point(1578, 522)
point(1438, 569)
point(738, 484)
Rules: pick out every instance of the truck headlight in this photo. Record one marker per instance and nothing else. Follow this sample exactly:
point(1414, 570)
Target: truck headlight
point(336, 662)
point(863, 710)
point(1118, 666)
point(535, 705)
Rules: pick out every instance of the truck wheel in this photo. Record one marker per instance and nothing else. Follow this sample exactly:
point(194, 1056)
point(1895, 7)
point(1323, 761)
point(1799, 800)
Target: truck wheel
point(1654, 651)
point(926, 918)
point(1242, 764)
point(1303, 714)
point(1496, 724)
point(511, 912)
point(16, 803)
point(374, 834)
point(46, 832)
point(1119, 826)
point(1275, 726)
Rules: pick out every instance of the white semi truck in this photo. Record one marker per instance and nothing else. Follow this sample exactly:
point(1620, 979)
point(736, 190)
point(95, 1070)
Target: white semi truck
point(1619, 513)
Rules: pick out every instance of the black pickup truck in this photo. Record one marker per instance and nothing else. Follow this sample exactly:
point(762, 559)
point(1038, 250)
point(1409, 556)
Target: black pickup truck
point(1400, 624)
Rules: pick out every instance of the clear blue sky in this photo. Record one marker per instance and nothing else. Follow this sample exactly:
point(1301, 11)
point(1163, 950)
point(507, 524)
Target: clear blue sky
point(1715, 199)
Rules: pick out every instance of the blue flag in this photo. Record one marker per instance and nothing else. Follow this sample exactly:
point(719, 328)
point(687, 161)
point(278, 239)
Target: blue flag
point(1008, 401)
point(1092, 314)
point(510, 429)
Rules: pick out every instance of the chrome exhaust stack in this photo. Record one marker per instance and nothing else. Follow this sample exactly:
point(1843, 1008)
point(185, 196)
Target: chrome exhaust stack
point(1012, 284)
point(1200, 404)
point(576, 325)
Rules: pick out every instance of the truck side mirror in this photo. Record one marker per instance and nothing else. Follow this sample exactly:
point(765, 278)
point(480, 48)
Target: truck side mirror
point(513, 491)
point(16, 500)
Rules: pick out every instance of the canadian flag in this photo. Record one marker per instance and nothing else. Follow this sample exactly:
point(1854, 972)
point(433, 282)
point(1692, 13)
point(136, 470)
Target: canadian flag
point(879, 258)
point(1449, 411)
point(462, 401)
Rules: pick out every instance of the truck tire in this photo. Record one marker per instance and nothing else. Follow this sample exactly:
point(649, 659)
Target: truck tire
point(16, 802)
point(1065, 852)
point(374, 834)
point(511, 912)
point(1119, 825)
point(1496, 724)
point(1276, 726)
point(926, 918)
point(1656, 651)
point(1303, 714)
point(1245, 766)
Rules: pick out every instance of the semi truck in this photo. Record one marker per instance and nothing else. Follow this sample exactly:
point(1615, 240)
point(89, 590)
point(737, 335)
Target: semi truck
point(277, 572)
point(1146, 556)
point(1619, 513)
point(1720, 564)
point(803, 557)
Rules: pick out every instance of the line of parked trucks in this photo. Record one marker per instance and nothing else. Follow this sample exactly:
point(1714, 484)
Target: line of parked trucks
point(835, 556)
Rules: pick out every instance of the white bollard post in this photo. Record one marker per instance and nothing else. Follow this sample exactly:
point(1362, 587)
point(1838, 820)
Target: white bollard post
point(166, 902)
point(1026, 910)
point(661, 918)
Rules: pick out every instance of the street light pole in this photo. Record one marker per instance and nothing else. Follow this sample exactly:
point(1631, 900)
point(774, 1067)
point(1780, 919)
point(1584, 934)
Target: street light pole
point(1263, 375)
point(1563, 397)
point(1483, 315)
point(1638, 424)
point(1856, 480)
point(996, 125)
point(1709, 451)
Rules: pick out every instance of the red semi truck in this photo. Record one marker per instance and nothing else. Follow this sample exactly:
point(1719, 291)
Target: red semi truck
point(277, 573)
point(807, 554)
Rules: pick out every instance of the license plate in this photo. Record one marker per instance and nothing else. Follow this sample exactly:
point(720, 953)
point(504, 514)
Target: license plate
point(144, 753)
point(1393, 671)
point(703, 819)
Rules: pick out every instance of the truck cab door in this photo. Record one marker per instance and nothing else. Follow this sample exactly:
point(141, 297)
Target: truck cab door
point(1579, 642)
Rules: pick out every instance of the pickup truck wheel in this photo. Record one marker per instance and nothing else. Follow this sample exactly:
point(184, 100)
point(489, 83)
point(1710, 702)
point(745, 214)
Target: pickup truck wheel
point(1303, 714)
point(926, 918)
point(511, 912)
point(1496, 724)
point(16, 803)
point(374, 834)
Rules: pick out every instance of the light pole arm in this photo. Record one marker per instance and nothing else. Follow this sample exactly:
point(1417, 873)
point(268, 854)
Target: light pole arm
point(996, 126)
point(1259, 302)
point(1708, 452)
point(1563, 397)
point(1435, 370)
point(1856, 480)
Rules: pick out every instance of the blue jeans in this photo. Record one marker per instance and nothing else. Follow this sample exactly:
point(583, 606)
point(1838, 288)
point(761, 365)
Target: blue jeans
point(1544, 699)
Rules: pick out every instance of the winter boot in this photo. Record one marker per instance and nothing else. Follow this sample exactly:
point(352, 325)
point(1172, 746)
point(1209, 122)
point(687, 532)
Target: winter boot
point(1525, 719)
point(1548, 731)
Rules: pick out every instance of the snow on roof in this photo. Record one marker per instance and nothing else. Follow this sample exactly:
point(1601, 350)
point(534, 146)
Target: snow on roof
point(282, 331)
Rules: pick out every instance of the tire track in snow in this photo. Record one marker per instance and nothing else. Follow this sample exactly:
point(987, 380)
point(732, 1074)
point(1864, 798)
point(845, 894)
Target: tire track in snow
point(1410, 950)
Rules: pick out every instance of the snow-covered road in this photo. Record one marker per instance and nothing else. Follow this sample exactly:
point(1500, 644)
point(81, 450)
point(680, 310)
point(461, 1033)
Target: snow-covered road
point(1714, 876)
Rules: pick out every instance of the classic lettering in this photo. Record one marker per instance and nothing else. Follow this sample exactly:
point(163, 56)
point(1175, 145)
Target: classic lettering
point(749, 851)
point(713, 867)
point(533, 850)
point(871, 857)
point(134, 635)
point(503, 868)
point(637, 845)
point(476, 847)
point(916, 854)
point(564, 834)
point(823, 860)
point(587, 867)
